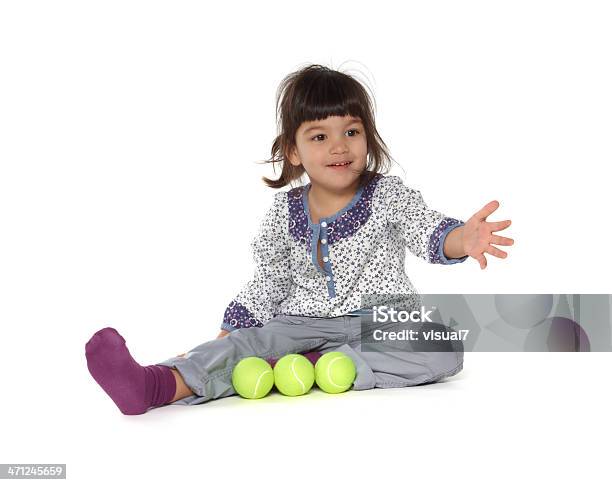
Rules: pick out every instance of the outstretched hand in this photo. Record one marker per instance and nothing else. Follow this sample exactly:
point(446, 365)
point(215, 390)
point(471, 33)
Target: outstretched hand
point(478, 237)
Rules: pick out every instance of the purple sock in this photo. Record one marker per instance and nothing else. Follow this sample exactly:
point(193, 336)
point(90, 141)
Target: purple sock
point(132, 387)
point(311, 356)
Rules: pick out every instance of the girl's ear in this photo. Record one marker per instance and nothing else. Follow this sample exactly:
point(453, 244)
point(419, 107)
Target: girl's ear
point(294, 158)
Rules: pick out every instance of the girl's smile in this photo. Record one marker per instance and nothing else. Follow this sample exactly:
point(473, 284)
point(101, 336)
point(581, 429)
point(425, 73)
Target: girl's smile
point(340, 165)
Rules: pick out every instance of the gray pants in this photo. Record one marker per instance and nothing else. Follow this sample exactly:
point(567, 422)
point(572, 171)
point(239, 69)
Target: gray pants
point(207, 369)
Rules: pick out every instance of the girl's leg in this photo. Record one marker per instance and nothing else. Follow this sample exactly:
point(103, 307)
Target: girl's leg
point(202, 374)
point(401, 364)
point(384, 369)
point(182, 391)
point(207, 369)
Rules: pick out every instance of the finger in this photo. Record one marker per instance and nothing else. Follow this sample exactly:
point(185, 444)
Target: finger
point(487, 210)
point(504, 241)
point(483, 261)
point(498, 226)
point(495, 252)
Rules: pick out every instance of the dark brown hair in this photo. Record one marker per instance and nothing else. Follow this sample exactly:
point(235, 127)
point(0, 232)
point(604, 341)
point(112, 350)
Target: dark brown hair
point(314, 93)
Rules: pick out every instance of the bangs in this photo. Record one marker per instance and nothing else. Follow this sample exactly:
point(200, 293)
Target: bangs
point(327, 95)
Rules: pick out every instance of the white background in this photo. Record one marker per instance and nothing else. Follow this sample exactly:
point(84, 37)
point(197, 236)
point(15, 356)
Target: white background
point(129, 192)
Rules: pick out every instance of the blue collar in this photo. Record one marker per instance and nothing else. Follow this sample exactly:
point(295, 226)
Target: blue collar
point(333, 217)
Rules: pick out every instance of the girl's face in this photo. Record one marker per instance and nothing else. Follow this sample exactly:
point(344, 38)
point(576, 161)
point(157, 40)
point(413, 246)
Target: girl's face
point(322, 143)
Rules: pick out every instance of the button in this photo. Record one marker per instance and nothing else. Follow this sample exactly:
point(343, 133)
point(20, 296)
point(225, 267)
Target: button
point(324, 224)
point(328, 278)
point(323, 241)
point(325, 258)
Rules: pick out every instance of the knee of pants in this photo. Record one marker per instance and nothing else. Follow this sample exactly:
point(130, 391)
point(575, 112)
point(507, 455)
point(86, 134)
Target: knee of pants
point(449, 352)
point(445, 363)
point(268, 342)
point(252, 340)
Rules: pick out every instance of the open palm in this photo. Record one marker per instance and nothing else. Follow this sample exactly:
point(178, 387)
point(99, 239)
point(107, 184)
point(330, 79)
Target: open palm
point(478, 237)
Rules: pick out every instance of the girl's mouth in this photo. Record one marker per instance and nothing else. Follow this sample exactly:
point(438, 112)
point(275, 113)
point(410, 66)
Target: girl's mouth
point(340, 165)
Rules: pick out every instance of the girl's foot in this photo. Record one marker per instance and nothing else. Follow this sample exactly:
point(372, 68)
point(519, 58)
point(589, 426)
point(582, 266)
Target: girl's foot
point(132, 387)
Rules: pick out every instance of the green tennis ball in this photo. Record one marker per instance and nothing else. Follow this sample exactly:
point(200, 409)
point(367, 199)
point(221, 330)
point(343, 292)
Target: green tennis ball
point(335, 372)
point(252, 378)
point(294, 375)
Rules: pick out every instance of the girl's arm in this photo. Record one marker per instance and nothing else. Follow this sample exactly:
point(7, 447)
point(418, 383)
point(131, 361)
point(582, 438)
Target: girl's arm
point(257, 301)
point(423, 229)
point(453, 245)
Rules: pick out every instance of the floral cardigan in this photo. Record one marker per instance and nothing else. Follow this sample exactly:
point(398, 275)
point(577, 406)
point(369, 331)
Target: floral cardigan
point(363, 250)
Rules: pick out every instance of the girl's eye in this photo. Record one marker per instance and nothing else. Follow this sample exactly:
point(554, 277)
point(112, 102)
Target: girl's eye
point(316, 138)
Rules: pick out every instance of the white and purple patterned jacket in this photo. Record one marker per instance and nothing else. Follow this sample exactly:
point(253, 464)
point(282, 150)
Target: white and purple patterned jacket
point(363, 249)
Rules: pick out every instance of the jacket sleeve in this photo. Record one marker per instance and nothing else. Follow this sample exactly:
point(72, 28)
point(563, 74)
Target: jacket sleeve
point(423, 229)
point(257, 301)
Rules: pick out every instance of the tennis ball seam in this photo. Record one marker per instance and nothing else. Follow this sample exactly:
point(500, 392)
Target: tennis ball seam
point(329, 366)
point(296, 375)
point(259, 381)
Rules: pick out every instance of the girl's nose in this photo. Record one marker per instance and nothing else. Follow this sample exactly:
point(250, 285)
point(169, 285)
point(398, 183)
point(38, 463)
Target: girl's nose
point(339, 147)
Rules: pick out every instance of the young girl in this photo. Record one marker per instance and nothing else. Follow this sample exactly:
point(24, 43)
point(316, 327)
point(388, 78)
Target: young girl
point(322, 249)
